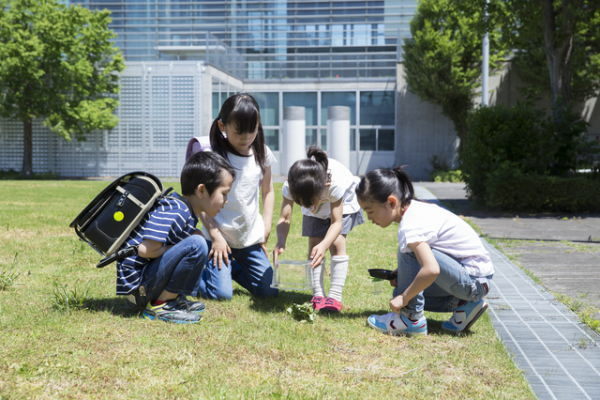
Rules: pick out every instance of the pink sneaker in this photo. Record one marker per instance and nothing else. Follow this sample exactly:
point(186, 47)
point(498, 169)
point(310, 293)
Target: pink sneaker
point(332, 305)
point(317, 302)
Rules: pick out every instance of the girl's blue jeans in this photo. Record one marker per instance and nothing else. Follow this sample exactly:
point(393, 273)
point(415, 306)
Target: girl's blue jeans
point(452, 285)
point(178, 269)
point(250, 267)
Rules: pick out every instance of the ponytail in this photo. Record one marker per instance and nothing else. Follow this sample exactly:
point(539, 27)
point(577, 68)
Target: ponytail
point(379, 184)
point(318, 155)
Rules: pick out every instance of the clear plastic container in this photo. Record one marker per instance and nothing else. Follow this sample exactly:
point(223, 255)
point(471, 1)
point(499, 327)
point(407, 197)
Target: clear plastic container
point(291, 275)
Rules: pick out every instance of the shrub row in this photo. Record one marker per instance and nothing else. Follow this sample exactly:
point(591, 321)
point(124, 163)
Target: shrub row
point(511, 190)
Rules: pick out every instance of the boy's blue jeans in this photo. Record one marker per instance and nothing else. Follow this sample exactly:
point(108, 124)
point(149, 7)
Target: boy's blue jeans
point(250, 267)
point(178, 269)
point(452, 285)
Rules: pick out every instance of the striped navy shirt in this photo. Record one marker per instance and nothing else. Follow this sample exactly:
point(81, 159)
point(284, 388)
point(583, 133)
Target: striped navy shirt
point(169, 222)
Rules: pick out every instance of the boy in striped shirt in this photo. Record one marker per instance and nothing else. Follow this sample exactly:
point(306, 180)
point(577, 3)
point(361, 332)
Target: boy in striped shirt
point(171, 252)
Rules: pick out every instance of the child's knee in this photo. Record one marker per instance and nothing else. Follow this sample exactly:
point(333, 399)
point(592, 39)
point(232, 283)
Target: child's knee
point(198, 247)
point(225, 294)
point(220, 292)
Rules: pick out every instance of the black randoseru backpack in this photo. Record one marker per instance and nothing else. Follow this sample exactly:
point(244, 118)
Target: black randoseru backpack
point(108, 220)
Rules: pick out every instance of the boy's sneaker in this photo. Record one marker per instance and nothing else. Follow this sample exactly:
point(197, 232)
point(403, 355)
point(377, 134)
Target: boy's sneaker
point(189, 305)
point(397, 324)
point(171, 311)
point(332, 305)
point(317, 302)
point(464, 316)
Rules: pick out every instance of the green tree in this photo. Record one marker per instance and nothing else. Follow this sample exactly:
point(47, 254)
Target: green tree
point(556, 48)
point(442, 59)
point(557, 53)
point(57, 64)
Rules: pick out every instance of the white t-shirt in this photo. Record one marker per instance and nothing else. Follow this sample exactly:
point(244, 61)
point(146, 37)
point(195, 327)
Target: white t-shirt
point(343, 184)
point(445, 232)
point(240, 221)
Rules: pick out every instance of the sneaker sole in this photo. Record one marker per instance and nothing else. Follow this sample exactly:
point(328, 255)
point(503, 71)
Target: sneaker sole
point(178, 321)
point(399, 333)
point(479, 314)
point(150, 317)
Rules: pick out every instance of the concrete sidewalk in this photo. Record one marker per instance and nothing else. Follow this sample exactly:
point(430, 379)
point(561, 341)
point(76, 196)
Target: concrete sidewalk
point(559, 355)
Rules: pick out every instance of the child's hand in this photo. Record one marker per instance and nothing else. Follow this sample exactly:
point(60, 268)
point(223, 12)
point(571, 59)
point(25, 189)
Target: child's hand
point(220, 253)
point(397, 303)
point(279, 250)
point(317, 254)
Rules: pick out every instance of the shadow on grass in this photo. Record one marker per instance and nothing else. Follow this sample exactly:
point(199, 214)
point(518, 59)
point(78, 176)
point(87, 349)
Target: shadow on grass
point(280, 303)
point(114, 305)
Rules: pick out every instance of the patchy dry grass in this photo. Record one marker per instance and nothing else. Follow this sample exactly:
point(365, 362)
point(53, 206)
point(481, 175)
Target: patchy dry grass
point(243, 349)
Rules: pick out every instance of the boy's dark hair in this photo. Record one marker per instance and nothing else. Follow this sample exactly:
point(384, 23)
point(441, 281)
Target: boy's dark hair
point(204, 168)
point(307, 178)
point(242, 110)
point(380, 183)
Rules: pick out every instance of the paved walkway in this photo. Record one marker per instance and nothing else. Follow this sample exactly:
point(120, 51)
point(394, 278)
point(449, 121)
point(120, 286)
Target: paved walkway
point(559, 355)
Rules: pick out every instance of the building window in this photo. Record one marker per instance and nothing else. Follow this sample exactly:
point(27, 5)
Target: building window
point(368, 139)
point(385, 140)
point(308, 100)
point(272, 138)
point(269, 117)
point(377, 108)
point(329, 99)
point(376, 139)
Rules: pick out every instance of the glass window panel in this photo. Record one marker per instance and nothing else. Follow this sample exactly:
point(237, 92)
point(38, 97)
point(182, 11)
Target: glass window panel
point(269, 107)
point(353, 139)
point(311, 137)
point(216, 104)
point(385, 140)
point(324, 139)
point(272, 138)
point(377, 108)
point(308, 100)
point(368, 139)
point(329, 99)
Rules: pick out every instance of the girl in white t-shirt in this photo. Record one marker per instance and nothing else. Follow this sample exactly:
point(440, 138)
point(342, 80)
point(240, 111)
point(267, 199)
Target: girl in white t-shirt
point(442, 264)
point(324, 188)
point(238, 233)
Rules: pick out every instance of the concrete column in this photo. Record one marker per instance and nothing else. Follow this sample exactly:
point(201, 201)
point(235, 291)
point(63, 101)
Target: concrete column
point(293, 138)
point(338, 134)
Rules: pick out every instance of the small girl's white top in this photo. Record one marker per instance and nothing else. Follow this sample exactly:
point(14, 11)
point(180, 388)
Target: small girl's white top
point(445, 232)
point(342, 185)
point(240, 220)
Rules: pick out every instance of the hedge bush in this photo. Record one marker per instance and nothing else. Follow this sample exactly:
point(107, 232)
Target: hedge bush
point(497, 135)
point(509, 189)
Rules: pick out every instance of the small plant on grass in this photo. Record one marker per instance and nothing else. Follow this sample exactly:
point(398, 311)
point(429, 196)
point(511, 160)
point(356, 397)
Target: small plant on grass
point(69, 299)
point(302, 312)
point(7, 279)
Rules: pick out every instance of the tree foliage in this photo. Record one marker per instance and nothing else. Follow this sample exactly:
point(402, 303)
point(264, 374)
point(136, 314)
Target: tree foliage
point(556, 48)
point(442, 59)
point(557, 52)
point(59, 65)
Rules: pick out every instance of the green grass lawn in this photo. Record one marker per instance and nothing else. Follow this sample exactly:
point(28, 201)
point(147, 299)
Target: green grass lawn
point(243, 349)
